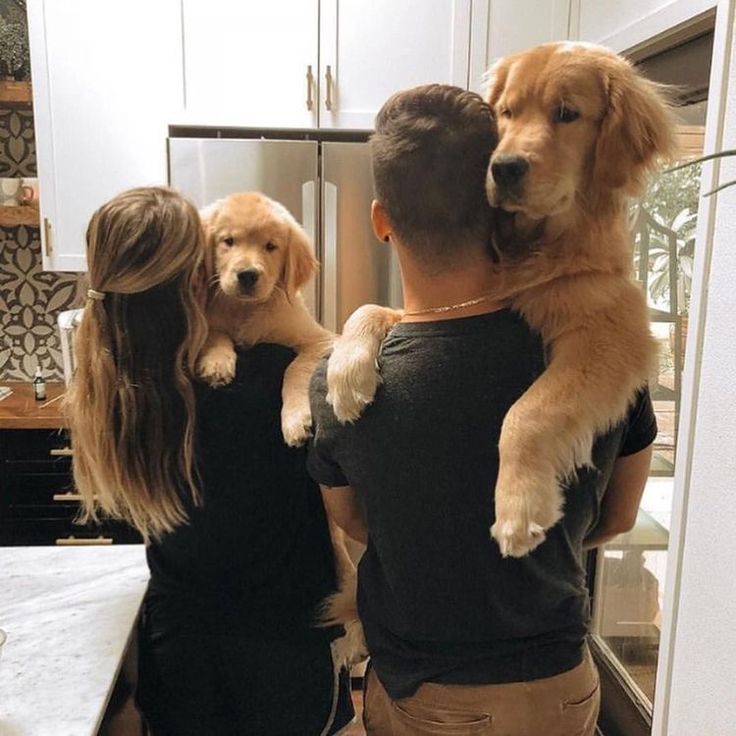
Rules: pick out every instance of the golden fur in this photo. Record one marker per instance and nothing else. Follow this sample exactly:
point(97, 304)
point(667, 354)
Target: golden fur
point(248, 233)
point(590, 131)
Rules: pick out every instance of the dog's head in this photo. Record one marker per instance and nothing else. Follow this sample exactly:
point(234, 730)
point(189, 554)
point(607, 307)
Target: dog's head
point(254, 246)
point(575, 121)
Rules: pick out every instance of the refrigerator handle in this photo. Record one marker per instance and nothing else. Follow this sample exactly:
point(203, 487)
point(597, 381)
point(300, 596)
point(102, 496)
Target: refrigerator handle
point(309, 223)
point(329, 257)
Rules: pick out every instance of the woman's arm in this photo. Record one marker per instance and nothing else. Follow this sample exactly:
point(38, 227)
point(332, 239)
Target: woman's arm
point(622, 497)
point(344, 508)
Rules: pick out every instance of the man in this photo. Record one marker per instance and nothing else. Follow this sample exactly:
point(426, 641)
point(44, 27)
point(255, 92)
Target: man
point(459, 637)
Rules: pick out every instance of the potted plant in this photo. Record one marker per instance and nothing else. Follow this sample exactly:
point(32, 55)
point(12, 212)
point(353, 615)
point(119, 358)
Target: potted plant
point(14, 61)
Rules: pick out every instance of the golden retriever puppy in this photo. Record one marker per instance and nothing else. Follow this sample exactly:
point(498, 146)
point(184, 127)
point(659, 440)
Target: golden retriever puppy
point(580, 131)
point(259, 257)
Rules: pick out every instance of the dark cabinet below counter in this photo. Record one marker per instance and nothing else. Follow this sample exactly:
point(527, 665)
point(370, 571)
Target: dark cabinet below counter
point(38, 504)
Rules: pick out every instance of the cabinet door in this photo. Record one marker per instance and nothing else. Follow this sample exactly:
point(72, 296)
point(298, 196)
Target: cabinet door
point(106, 80)
point(370, 50)
point(502, 27)
point(246, 63)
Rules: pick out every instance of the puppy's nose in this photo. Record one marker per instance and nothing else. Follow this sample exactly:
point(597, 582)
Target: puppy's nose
point(509, 169)
point(247, 278)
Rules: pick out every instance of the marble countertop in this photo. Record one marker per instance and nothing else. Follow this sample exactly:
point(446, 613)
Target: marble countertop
point(69, 613)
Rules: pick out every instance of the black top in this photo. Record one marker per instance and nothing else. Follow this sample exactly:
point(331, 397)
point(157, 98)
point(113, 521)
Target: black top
point(256, 555)
point(437, 600)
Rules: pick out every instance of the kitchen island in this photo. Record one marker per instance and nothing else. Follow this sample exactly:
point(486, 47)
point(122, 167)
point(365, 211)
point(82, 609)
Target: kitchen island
point(69, 614)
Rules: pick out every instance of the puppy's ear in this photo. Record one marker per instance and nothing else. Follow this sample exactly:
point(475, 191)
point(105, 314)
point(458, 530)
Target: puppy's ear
point(637, 131)
point(299, 261)
point(208, 216)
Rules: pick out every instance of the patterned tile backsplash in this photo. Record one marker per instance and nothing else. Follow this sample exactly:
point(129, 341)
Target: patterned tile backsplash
point(30, 298)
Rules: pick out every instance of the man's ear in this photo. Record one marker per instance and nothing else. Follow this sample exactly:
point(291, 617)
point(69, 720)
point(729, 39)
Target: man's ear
point(379, 219)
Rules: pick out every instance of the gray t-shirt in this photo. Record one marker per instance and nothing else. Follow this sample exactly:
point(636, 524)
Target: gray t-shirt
point(437, 600)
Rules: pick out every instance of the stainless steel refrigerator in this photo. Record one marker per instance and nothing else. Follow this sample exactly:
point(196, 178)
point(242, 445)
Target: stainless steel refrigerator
point(324, 179)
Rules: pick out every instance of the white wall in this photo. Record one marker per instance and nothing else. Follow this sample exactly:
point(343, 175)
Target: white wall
point(697, 674)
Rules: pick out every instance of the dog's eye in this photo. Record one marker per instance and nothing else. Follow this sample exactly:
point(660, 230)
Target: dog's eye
point(271, 247)
point(504, 112)
point(229, 240)
point(564, 114)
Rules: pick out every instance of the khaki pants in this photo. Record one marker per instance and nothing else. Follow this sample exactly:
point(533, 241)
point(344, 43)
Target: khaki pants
point(563, 705)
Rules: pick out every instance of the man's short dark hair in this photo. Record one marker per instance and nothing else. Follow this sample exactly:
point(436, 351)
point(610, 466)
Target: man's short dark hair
point(430, 153)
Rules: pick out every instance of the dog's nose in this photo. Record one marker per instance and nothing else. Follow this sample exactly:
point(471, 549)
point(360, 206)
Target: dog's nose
point(247, 278)
point(509, 169)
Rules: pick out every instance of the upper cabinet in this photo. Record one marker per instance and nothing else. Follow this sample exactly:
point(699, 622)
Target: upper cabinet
point(251, 64)
point(106, 81)
point(327, 64)
point(503, 27)
point(368, 50)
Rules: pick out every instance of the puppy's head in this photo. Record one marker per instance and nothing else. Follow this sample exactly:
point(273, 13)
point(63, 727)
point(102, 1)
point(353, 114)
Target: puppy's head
point(574, 120)
point(254, 246)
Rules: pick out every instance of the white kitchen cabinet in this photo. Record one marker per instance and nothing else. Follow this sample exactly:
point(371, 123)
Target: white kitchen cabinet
point(250, 64)
point(106, 81)
point(368, 50)
point(502, 27)
point(625, 25)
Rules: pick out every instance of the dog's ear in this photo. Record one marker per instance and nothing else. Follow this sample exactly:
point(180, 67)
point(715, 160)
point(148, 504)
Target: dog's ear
point(208, 216)
point(637, 131)
point(494, 81)
point(299, 261)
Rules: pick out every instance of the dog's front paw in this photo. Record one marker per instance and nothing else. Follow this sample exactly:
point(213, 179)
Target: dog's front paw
point(352, 379)
point(296, 425)
point(525, 508)
point(217, 366)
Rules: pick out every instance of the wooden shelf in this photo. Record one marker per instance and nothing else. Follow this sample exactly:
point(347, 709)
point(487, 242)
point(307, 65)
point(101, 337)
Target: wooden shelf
point(22, 215)
point(11, 91)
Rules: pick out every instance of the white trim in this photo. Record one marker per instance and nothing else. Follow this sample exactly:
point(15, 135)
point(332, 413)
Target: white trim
point(657, 23)
point(714, 131)
point(478, 53)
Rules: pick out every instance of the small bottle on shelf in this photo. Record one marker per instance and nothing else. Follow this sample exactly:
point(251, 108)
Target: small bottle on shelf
point(39, 385)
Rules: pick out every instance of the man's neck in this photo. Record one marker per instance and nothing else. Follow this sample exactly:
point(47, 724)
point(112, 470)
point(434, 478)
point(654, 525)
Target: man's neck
point(466, 279)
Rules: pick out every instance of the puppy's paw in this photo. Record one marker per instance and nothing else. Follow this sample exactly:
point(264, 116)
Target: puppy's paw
point(525, 509)
point(296, 425)
point(217, 366)
point(352, 379)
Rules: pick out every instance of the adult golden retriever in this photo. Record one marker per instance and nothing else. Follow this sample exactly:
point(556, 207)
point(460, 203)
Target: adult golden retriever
point(258, 258)
point(580, 131)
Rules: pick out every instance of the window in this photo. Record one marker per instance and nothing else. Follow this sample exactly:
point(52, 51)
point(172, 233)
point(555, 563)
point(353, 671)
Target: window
point(628, 574)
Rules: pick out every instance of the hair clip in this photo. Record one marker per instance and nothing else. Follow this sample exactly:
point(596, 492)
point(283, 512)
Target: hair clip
point(98, 296)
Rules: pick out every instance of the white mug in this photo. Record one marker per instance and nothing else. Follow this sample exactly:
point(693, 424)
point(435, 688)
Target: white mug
point(29, 194)
point(12, 191)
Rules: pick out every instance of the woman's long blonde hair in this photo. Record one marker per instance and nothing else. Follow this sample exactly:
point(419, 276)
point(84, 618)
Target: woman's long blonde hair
point(131, 402)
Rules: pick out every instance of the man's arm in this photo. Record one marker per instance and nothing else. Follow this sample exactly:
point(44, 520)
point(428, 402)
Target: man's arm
point(345, 510)
point(621, 500)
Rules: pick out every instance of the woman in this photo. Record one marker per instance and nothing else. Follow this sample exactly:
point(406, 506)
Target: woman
point(237, 541)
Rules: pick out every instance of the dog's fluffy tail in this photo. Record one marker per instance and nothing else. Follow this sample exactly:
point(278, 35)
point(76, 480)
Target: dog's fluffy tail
point(341, 608)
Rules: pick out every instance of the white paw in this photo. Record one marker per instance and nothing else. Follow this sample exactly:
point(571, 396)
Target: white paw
point(217, 366)
point(525, 509)
point(517, 538)
point(352, 379)
point(296, 425)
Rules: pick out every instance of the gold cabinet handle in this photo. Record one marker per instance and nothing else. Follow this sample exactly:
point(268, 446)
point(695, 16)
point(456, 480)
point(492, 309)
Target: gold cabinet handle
point(310, 85)
point(70, 496)
point(47, 237)
point(72, 541)
point(61, 452)
point(328, 88)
